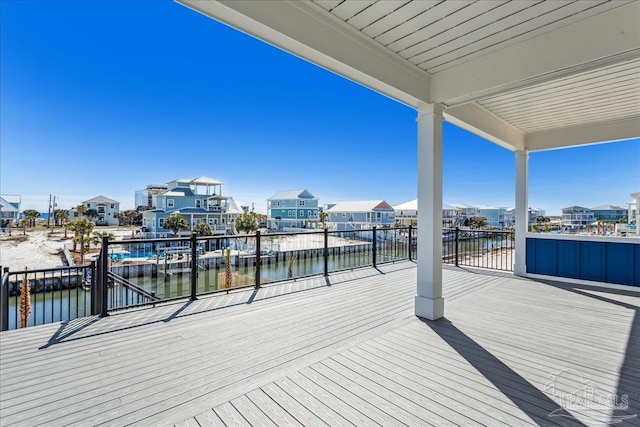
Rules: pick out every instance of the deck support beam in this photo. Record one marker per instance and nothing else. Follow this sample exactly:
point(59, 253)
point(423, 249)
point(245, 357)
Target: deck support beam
point(522, 212)
point(429, 303)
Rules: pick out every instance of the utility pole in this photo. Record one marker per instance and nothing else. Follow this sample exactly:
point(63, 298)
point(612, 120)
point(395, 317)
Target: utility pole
point(49, 214)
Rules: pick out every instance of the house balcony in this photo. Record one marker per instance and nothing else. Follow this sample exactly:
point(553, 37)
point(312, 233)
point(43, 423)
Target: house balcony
point(341, 350)
point(216, 209)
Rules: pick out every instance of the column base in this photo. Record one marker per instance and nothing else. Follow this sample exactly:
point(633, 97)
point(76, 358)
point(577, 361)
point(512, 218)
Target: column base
point(427, 308)
point(520, 270)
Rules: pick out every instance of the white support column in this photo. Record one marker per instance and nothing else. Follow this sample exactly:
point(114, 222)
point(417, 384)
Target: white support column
point(429, 303)
point(522, 212)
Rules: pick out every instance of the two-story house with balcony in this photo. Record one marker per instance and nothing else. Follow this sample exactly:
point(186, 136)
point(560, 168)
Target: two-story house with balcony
point(361, 215)
point(292, 209)
point(196, 200)
point(577, 217)
point(510, 216)
point(609, 213)
point(407, 214)
point(102, 210)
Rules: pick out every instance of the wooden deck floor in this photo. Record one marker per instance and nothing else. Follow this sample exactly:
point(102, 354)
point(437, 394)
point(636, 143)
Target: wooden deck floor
point(345, 350)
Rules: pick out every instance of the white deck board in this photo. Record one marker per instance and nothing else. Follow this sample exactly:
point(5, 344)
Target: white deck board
point(345, 350)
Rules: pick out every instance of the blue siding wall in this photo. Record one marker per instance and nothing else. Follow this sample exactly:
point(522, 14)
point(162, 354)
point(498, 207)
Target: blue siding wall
point(608, 262)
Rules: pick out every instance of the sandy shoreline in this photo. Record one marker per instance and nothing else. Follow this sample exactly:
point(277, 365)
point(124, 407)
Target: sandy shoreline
point(40, 250)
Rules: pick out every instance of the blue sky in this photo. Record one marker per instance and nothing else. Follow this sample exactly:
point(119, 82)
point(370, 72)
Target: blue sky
point(103, 98)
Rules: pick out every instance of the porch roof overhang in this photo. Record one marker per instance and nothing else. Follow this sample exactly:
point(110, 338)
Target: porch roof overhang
point(525, 75)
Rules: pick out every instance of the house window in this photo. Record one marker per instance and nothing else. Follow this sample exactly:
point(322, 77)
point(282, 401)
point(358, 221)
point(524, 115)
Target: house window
point(161, 222)
point(344, 214)
point(301, 202)
point(198, 203)
point(289, 213)
point(169, 203)
point(153, 223)
point(309, 213)
point(113, 206)
point(278, 203)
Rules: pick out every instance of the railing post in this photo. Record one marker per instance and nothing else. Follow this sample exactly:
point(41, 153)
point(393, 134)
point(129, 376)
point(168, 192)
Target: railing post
point(258, 259)
point(4, 299)
point(194, 267)
point(375, 244)
point(93, 289)
point(410, 238)
point(104, 277)
point(326, 251)
point(456, 244)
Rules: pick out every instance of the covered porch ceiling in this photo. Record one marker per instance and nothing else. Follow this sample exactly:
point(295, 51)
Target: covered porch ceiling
point(527, 75)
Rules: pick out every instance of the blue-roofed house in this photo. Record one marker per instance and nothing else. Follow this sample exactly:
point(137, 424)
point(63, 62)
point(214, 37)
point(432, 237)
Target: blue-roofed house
point(292, 209)
point(361, 215)
point(197, 200)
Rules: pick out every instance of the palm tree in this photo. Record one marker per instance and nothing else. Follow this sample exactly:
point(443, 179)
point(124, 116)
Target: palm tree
point(323, 216)
point(31, 215)
point(98, 235)
point(176, 223)
point(247, 223)
point(81, 227)
point(81, 209)
point(203, 229)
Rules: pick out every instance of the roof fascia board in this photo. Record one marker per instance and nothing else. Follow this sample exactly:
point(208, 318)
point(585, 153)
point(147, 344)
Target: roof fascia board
point(603, 39)
point(478, 120)
point(311, 33)
point(592, 133)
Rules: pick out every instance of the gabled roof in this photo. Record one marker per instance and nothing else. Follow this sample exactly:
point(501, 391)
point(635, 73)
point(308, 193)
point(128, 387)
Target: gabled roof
point(6, 206)
point(575, 208)
point(448, 207)
point(464, 206)
point(361, 206)
point(233, 207)
point(608, 208)
point(292, 195)
point(411, 205)
point(101, 199)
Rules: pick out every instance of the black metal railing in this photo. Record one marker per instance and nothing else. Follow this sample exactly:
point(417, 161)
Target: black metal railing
point(56, 294)
point(139, 272)
point(493, 249)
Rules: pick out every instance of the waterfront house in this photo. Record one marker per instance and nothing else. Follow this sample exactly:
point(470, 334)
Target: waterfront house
point(361, 215)
point(577, 217)
point(609, 213)
point(510, 216)
point(9, 210)
point(494, 215)
point(102, 210)
point(467, 211)
point(407, 214)
point(197, 200)
point(144, 198)
point(292, 209)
